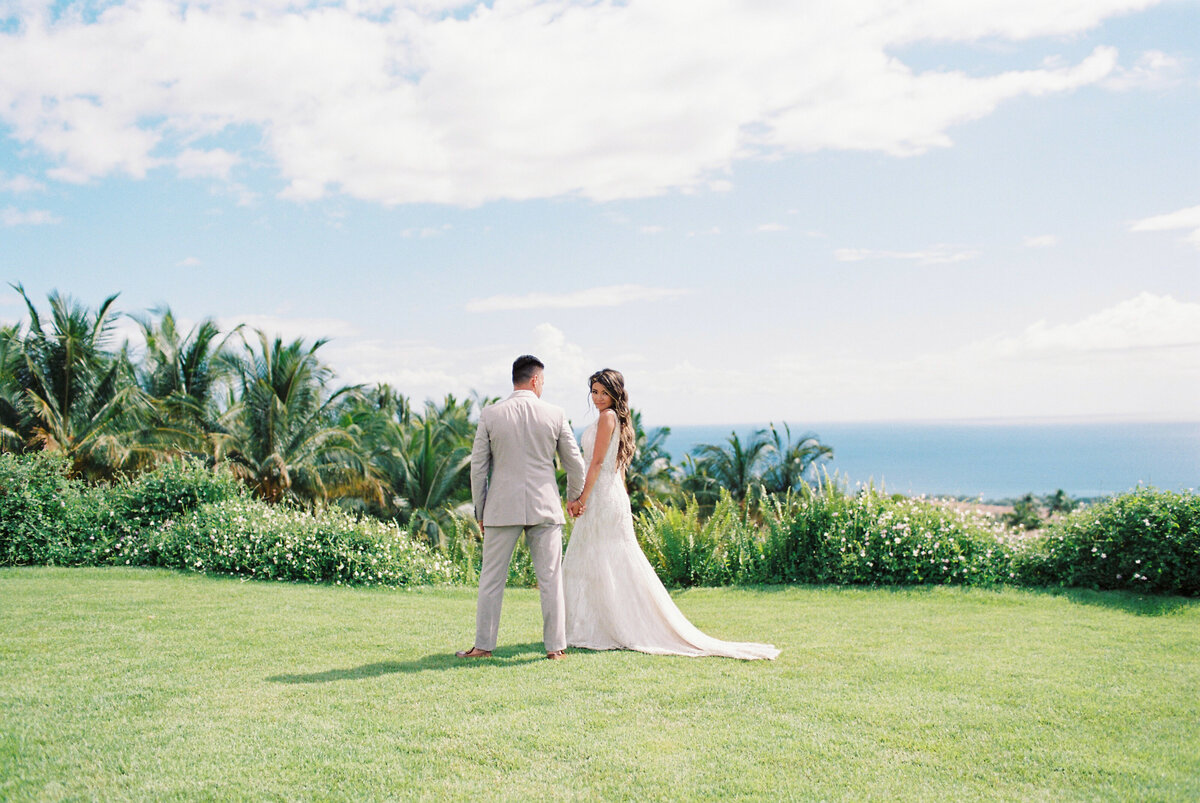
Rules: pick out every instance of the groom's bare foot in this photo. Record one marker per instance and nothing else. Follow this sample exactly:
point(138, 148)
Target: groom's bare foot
point(474, 652)
point(556, 655)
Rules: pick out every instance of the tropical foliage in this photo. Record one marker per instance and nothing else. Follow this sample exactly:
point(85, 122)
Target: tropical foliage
point(272, 411)
point(283, 437)
point(650, 476)
point(419, 459)
point(66, 393)
point(238, 452)
point(185, 515)
point(770, 461)
point(186, 374)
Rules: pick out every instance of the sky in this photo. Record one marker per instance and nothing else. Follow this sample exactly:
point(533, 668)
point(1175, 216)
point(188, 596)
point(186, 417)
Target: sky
point(801, 211)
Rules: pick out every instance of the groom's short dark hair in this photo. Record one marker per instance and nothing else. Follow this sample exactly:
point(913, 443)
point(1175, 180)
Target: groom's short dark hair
point(524, 367)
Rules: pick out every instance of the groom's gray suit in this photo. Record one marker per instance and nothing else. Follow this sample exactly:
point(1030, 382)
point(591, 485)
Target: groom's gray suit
point(514, 489)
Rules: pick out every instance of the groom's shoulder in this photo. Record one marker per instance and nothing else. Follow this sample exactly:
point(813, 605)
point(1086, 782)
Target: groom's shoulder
point(511, 406)
point(551, 409)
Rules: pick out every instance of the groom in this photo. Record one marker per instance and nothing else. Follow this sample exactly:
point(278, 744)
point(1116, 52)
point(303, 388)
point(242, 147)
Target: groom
point(514, 490)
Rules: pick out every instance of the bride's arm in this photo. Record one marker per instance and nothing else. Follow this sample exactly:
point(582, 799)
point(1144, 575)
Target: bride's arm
point(604, 431)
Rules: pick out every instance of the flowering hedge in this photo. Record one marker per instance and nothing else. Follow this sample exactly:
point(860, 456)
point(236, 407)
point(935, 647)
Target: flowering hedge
point(870, 538)
point(245, 536)
point(1147, 540)
point(828, 537)
point(184, 515)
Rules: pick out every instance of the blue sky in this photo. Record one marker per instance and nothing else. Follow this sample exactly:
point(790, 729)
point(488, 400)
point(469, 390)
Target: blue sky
point(757, 211)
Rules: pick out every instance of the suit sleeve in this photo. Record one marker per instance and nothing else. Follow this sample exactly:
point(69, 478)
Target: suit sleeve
point(568, 453)
point(481, 467)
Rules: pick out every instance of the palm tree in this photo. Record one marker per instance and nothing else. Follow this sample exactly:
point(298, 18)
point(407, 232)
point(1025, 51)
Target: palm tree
point(284, 438)
point(11, 437)
point(650, 475)
point(74, 396)
point(790, 461)
point(736, 467)
point(183, 373)
point(421, 460)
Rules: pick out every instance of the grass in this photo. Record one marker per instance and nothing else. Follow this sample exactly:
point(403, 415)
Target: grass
point(146, 684)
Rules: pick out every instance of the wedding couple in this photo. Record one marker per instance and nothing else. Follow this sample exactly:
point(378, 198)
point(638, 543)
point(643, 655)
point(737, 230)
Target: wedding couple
point(603, 595)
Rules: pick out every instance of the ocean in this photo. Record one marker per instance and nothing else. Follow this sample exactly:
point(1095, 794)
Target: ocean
point(996, 460)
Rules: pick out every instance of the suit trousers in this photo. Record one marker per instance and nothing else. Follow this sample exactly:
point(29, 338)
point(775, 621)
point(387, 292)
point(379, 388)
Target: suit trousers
point(545, 547)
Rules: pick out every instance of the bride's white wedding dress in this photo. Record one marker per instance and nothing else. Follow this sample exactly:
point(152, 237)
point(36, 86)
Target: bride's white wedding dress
point(614, 599)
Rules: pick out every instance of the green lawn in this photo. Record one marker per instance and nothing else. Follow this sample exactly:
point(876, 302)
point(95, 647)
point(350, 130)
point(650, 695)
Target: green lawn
point(149, 685)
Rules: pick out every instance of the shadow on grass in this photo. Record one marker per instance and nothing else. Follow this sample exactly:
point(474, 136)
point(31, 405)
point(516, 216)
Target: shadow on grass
point(1125, 601)
point(511, 655)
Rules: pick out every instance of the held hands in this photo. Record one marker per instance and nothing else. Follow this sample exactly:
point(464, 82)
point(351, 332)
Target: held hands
point(576, 507)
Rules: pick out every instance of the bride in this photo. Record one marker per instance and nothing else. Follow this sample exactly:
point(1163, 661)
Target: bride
point(614, 600)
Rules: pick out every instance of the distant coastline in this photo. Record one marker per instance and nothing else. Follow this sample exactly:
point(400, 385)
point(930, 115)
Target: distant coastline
point(994, 459)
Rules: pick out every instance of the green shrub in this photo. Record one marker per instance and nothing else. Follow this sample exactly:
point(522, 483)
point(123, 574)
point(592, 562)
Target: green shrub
point(40, 509)
point(138, 507)
point(184, 515)
point(273, 542)
point(1147, 540)
point(827, 536)
point(686, 550)
point(1025, 514)
point(171, 489)
point(870, 538)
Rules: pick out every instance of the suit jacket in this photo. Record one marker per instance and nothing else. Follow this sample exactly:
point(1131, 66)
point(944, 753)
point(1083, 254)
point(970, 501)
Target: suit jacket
point(512, 462)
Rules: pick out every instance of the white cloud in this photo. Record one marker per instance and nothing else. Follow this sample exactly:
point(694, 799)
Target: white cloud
point(934, 255)
point(567, 366)
point(215, 163)
point(1183, 219)
point(425, 370)
point(1041, 241)
point(517, 99)
point(245, 196)
point(652, 229)
point(289, 328)
point(1137, 358)
point(189, 262)
point(1146, 321)
point(20, 184)
point(612, 296)
point(426, 232)
point(1153, 70)
point(418, 369)
point(11, 216)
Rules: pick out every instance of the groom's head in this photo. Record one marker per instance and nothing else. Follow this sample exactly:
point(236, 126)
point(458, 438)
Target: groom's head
point(527, 374)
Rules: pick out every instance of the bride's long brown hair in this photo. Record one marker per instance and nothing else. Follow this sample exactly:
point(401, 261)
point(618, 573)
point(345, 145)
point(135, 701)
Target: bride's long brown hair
point(614, 385)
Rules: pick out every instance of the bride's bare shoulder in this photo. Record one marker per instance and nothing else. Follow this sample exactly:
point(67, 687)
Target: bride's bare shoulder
point(607, 422)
